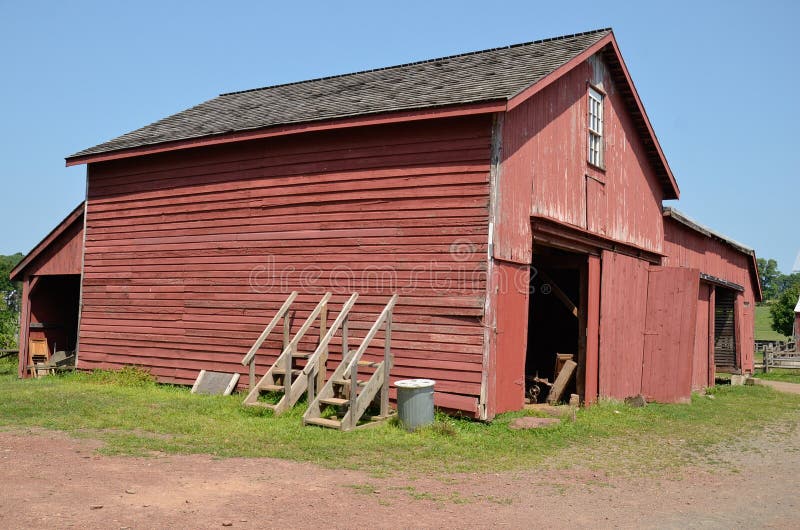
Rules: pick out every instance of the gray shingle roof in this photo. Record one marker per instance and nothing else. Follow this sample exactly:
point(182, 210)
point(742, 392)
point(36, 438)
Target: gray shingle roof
point(495, 74)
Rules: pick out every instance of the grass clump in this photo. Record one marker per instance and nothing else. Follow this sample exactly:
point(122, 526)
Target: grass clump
point(787, 375)
point(129, 376)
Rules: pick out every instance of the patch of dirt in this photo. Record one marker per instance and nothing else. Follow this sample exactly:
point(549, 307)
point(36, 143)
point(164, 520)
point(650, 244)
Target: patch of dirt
point(52, 480)
point(780, 386)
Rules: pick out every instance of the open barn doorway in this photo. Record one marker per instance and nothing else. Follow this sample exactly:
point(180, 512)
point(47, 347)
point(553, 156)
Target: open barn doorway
point(725, 359)
point(556, 354)
point(54, 303)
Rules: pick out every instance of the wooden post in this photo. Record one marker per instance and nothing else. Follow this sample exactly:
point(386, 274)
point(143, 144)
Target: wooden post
point(580, 379)
point(345, 326)
point(287, 377)
point(321, 370)
point(311, 390)
point(252, 374)
point(387, 366)
point(712, 311)
point(24, 328)
point(353, 393)
point(591, 371)
point(287, 328)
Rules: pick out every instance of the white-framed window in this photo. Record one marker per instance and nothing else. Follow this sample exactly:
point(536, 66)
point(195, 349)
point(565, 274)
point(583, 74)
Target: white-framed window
point(595, 128)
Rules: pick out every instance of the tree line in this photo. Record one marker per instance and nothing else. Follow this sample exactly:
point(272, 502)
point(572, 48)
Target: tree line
point(781, 292)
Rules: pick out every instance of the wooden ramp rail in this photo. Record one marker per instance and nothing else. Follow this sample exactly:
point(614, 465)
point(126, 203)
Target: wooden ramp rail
point(345, 392)
point(283, 377)
point(283, 313)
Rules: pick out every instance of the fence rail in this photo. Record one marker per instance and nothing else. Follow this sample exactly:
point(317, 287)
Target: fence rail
point(781, 354)
point(8, 353)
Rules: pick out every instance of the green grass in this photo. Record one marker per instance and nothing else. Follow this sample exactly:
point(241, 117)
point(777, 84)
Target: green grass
point(763, 324)
point(781, 374)
point(134, 416)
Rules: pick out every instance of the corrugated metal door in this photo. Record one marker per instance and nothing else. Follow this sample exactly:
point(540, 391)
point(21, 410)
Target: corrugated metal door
point(724, 329)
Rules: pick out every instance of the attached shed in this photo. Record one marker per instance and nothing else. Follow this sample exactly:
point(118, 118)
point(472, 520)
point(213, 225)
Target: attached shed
point(729, 290)
point(51, 283)
point(512, 198)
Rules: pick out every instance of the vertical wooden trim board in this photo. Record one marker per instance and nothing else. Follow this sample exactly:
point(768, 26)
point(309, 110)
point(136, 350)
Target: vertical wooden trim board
point(593, 329)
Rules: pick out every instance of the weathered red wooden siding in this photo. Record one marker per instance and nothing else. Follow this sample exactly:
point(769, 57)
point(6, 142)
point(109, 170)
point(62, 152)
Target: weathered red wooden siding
point(189, 254)
point(593, 329)
point(669, 336)
point(544, 173)
point(545, 151)
point(700, 364)
point(688, 248)
point(508, 336)
point(63, 256)
point(623, 308)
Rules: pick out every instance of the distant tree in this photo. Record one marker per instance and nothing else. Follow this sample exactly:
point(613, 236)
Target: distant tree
point(782, 310)
point(770, 278)
point(786, 281)
point(10, 296)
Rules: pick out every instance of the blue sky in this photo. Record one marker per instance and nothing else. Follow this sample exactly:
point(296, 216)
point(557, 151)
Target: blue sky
point(718, 80)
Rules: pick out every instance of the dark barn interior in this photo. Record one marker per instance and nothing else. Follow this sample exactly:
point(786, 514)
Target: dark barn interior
point(724, 330)
point(554, 321)
point(54, 311)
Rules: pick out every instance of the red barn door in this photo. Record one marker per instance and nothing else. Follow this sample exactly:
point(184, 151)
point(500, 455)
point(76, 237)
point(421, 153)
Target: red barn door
point(669, 334)
point(623, 302)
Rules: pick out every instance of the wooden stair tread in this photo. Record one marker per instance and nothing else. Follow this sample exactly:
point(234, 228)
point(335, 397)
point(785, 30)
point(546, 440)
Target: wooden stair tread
point(369, 364)
point(334, 401)
point(282, 371)
point(324, 422)
point(271, 388)
point(301, 354)
point(347, 382)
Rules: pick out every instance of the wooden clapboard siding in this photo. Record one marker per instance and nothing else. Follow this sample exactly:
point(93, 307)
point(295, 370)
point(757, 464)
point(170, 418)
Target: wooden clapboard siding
point(685, 247)
point(188, 255)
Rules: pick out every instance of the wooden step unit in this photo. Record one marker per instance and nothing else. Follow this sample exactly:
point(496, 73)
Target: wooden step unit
point(353, 401)
point(291, 381)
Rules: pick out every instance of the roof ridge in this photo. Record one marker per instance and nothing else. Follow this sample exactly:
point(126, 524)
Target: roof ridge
point(414, 63)
point(687, 220)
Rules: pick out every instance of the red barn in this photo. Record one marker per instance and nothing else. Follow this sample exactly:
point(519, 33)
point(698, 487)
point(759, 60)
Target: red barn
point(512, 198)
point(729, 290)
point(51, 282)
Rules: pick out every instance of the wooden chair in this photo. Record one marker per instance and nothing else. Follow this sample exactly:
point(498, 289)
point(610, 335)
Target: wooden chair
point(39, 358)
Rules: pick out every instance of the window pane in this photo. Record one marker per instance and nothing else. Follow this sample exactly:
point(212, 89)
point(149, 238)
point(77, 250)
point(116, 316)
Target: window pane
point(595, 123)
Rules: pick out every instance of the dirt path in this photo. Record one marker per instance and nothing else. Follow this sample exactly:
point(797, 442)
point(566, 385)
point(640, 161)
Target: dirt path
point(780, 386)
point(50, 480)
